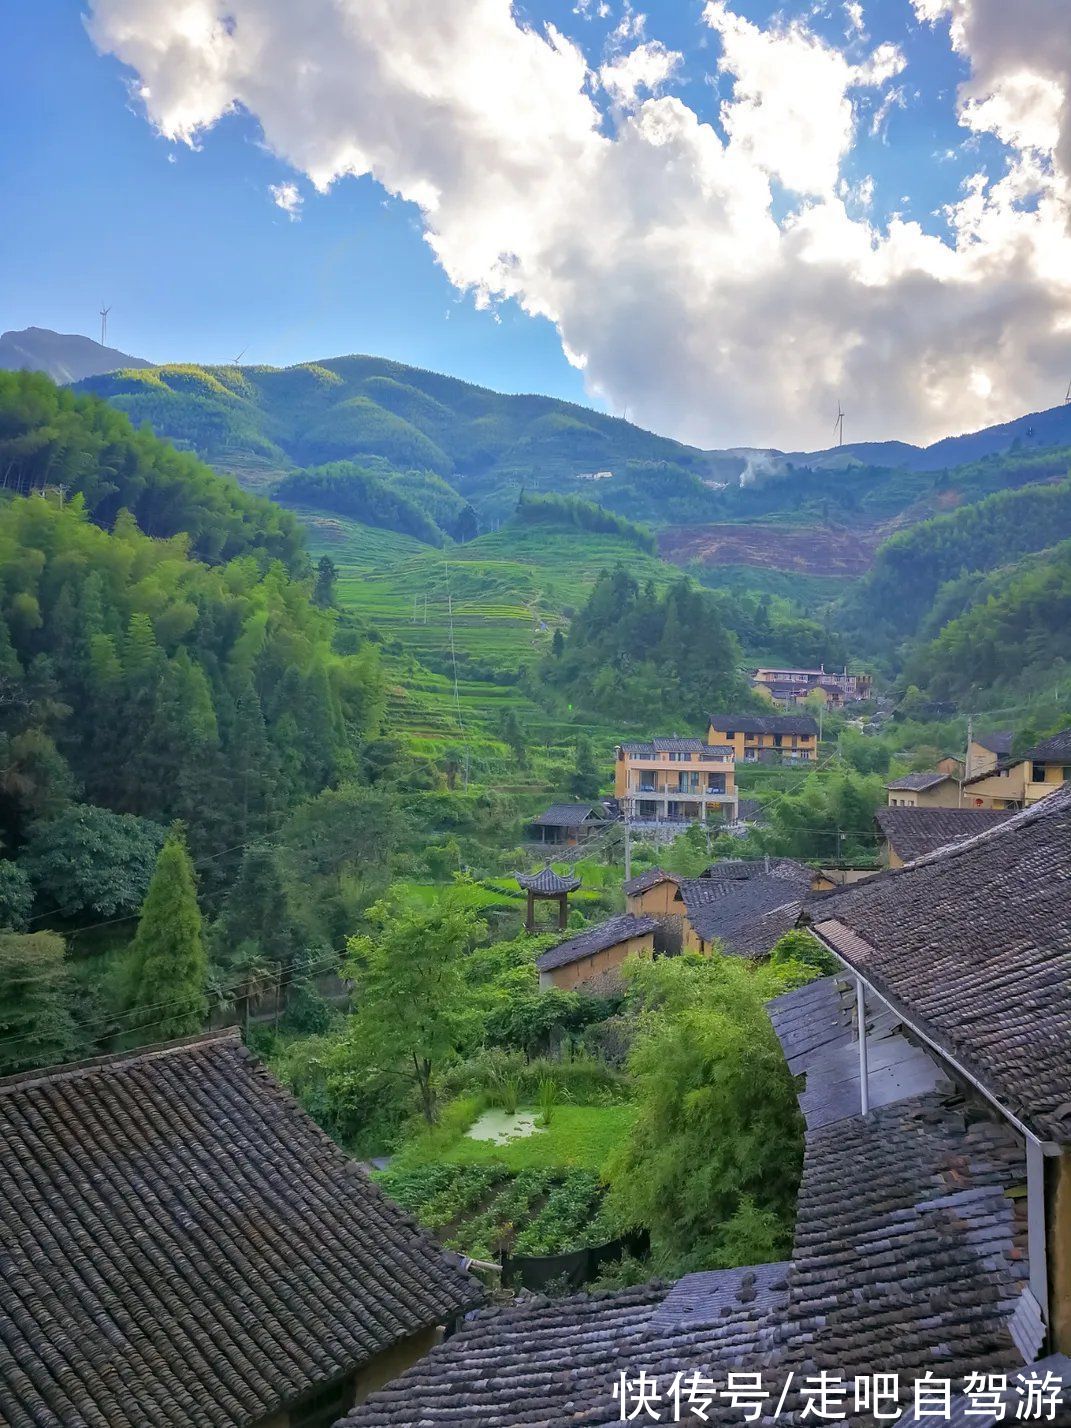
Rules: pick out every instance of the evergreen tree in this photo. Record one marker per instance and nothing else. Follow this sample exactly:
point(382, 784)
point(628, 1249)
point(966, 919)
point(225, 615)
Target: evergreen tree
point(169, 966)
point(585, 779)
point(323, 592)
point(557, 644)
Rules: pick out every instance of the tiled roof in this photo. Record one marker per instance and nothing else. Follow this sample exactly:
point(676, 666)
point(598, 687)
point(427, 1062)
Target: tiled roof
point(914, 832)
point(568, 815)
point(815, 1025)
point(548, 882)
point(674, 745)
point(596, 939)
point(650, 879)
point(999, 743)
point(764, 723)
point(1054, 750)
point(180, 1244)
point(749, 810)
point(930, 778)
point(973, 943)
point(744, 906)
point(908, 1255)
point(544, 1363)
point(908, 1252)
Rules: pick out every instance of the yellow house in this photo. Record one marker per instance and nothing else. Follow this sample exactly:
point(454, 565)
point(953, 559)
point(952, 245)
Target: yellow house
point(1021, 782)
point(676, 780)
point(931, 789)
point(988, 750)
point(592, 955)
point(766, 738)
point(653, 893)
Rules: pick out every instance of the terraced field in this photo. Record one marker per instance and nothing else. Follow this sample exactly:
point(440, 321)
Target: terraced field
point(479, 611)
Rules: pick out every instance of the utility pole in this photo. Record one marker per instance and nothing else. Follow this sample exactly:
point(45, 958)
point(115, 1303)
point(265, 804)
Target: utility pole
point(967, 769)
point(628, 846)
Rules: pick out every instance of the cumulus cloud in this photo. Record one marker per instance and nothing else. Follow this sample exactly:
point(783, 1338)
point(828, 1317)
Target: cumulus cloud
point(288, 197)
point(647, 67)
point(663, 248)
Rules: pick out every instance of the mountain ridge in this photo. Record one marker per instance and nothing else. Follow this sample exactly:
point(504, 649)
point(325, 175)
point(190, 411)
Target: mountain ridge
point(66, 357)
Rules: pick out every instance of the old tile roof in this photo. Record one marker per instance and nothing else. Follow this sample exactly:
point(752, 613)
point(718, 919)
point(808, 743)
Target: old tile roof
point(908, 1251)
point(569, 815)
point(746, 905)
point(815, 1025)
point(543, 1363)
point(930, 778)
point(914, 832)
point(765, 723)
point(180, 1244)
point(650, 879)
point(999, 743)
point(908, 1255)
point(596, 939)
point(547, 882)
point(1055, 750)
point(973, 944)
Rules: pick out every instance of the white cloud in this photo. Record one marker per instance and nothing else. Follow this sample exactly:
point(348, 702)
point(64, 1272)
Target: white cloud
point(853, 11)
point(288, 197)
point(647, 67)
point(651, 241)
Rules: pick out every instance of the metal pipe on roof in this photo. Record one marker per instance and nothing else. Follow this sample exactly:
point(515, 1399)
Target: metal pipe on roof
point(1047, 1147)
point(860, 1018)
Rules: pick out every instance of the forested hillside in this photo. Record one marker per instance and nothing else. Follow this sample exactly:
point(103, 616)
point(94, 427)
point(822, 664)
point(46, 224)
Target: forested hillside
point(921, 576)
point(50, 437)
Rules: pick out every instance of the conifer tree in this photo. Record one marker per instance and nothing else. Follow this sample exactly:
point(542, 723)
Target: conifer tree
point(169, 965)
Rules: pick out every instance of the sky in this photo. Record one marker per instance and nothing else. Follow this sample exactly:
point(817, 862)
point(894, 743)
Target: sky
point(720, 218)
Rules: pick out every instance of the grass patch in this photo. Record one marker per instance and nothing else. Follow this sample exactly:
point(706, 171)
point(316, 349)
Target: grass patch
point(578, 1138)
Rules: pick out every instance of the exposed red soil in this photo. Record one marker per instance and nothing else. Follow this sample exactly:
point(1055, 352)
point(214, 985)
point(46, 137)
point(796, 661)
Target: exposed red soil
point(810, 550)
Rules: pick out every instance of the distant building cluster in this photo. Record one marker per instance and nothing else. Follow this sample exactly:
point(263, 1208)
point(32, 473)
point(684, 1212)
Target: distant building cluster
point(835, 688)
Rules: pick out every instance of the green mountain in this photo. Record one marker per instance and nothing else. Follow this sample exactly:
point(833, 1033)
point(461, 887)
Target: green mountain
point(263, 422)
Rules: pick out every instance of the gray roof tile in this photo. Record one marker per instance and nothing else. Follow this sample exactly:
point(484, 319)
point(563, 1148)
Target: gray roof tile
point(180, 1244)
point(914, 832)
point(596, 939)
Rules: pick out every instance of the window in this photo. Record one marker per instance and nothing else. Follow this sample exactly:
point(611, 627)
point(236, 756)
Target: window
point(323, 1408)
point(1037, 772)
point(1065, 773)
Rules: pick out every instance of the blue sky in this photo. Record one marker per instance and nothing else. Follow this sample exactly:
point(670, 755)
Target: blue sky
point(198, 262)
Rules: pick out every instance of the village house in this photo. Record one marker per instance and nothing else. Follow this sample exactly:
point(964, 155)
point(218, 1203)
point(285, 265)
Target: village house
point(766, 738)
point(791, 686)
point(570, 824)
point(593, 955)
point(933, 1230)
point(909, 833)
point(181, 1244)
point(985, 751)
point(674, 780)
point(933, 788)
point(1019, 781)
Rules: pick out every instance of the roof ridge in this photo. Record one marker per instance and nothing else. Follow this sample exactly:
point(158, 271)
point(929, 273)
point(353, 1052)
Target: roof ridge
point(65, 1070)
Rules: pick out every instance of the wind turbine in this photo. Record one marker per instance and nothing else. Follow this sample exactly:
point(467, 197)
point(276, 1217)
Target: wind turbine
point(104, 324)
point(838, 425)
point(1068, 397)
point(241, 354)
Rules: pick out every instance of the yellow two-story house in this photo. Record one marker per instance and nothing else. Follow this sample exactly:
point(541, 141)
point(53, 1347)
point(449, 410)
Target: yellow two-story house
point(674, 780)
point(1023, 781)
point(766, 738)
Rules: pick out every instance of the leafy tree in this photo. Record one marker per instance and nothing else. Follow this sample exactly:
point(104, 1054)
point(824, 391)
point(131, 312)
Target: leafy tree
point(37, 1026)
point(168, 963)
point(530, 1021)
point(803, 949)
point(717, 1130)
point(87, 860)
point(258, 914)
point(557, 644)
point(413, 1011)
point(515, 735)
point(586, 776)
point(16, 897)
